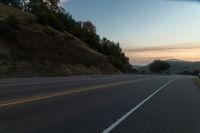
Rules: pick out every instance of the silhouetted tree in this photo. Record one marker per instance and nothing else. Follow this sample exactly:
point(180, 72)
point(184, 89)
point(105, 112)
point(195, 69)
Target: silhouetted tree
point(158, 66)
point(115, 54)
point(86, 31)
point(67, 19)
point(89, 27)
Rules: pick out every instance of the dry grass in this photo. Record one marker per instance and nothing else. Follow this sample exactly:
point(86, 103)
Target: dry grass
point(30, 51)
point(23, 16)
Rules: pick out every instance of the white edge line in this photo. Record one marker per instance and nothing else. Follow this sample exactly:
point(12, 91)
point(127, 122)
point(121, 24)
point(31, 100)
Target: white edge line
point(110, 128)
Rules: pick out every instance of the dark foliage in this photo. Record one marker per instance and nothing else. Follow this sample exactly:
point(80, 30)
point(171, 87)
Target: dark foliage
point(158, 66)
point(15, 3)
point(49, 13)
point(49, 32)
point(115, 54)
point(13, 21)
point(195, 72)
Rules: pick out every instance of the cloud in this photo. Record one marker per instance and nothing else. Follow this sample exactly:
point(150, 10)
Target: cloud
point(146, 55)
point(161, 48)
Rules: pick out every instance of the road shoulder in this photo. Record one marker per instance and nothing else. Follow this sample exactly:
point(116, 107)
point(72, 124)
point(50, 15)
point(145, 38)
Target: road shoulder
point(197, 81)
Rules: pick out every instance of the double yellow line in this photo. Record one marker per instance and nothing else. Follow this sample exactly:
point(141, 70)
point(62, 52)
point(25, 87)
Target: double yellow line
point(64, 93)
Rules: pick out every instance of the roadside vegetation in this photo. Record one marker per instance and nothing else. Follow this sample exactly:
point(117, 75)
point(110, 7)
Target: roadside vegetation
point(159, 66)
point(186, 72)
point(30, 49)
point(50, 13)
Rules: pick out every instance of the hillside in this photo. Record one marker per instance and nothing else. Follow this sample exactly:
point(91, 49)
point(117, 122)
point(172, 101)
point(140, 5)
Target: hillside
point(29, 49)
point(181, 66)
point(177, 66)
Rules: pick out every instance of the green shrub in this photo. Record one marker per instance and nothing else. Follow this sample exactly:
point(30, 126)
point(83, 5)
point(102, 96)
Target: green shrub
point(13, 21)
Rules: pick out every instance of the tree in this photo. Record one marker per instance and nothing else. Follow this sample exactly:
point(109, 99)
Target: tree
point(86, 31)
point(67, 19)
point(158, 66)
point(89, 27)
point(15, 3)
point(115, 55)
point(53, 4)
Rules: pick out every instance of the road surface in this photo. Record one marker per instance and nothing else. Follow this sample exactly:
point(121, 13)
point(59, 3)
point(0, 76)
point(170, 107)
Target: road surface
point(100, 104)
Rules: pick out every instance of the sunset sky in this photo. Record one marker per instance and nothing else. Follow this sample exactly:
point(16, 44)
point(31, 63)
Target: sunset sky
point(146, 29)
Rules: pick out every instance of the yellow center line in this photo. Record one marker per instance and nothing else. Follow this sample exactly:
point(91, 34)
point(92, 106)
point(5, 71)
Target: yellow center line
point(64, 93)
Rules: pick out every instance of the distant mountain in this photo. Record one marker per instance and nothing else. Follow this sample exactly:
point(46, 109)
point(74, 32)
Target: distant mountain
point(177, 66)
point(175, 60)
point(137, 67)
point(181, 66)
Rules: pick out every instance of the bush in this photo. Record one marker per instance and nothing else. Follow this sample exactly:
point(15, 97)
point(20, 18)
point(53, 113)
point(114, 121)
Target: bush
point(68, 37)
point(49, 31)
point(158, 66)
point(54, 21)
point(13, 21)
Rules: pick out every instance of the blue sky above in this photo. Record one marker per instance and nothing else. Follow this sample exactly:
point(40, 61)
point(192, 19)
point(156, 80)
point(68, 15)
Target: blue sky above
point(142, 24)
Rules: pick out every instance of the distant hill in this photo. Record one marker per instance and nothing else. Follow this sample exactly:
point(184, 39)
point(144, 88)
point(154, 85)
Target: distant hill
point(181, 66)
point(177, 66)
point(29, 49)
point(137, 67)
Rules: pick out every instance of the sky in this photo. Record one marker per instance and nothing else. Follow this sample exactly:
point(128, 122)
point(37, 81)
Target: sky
point(146, 29)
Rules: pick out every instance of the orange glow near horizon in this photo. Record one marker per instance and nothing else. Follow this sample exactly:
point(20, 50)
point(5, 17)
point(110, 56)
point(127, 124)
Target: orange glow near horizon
point(147, 55)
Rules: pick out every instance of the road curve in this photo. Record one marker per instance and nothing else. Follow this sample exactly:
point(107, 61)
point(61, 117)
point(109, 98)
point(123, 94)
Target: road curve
point(100, 104)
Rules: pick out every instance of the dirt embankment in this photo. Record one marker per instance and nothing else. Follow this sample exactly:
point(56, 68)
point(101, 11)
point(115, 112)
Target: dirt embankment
point(28, 49)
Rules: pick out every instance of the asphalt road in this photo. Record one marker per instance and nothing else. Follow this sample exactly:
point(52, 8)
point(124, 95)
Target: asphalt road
point(100, 104)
